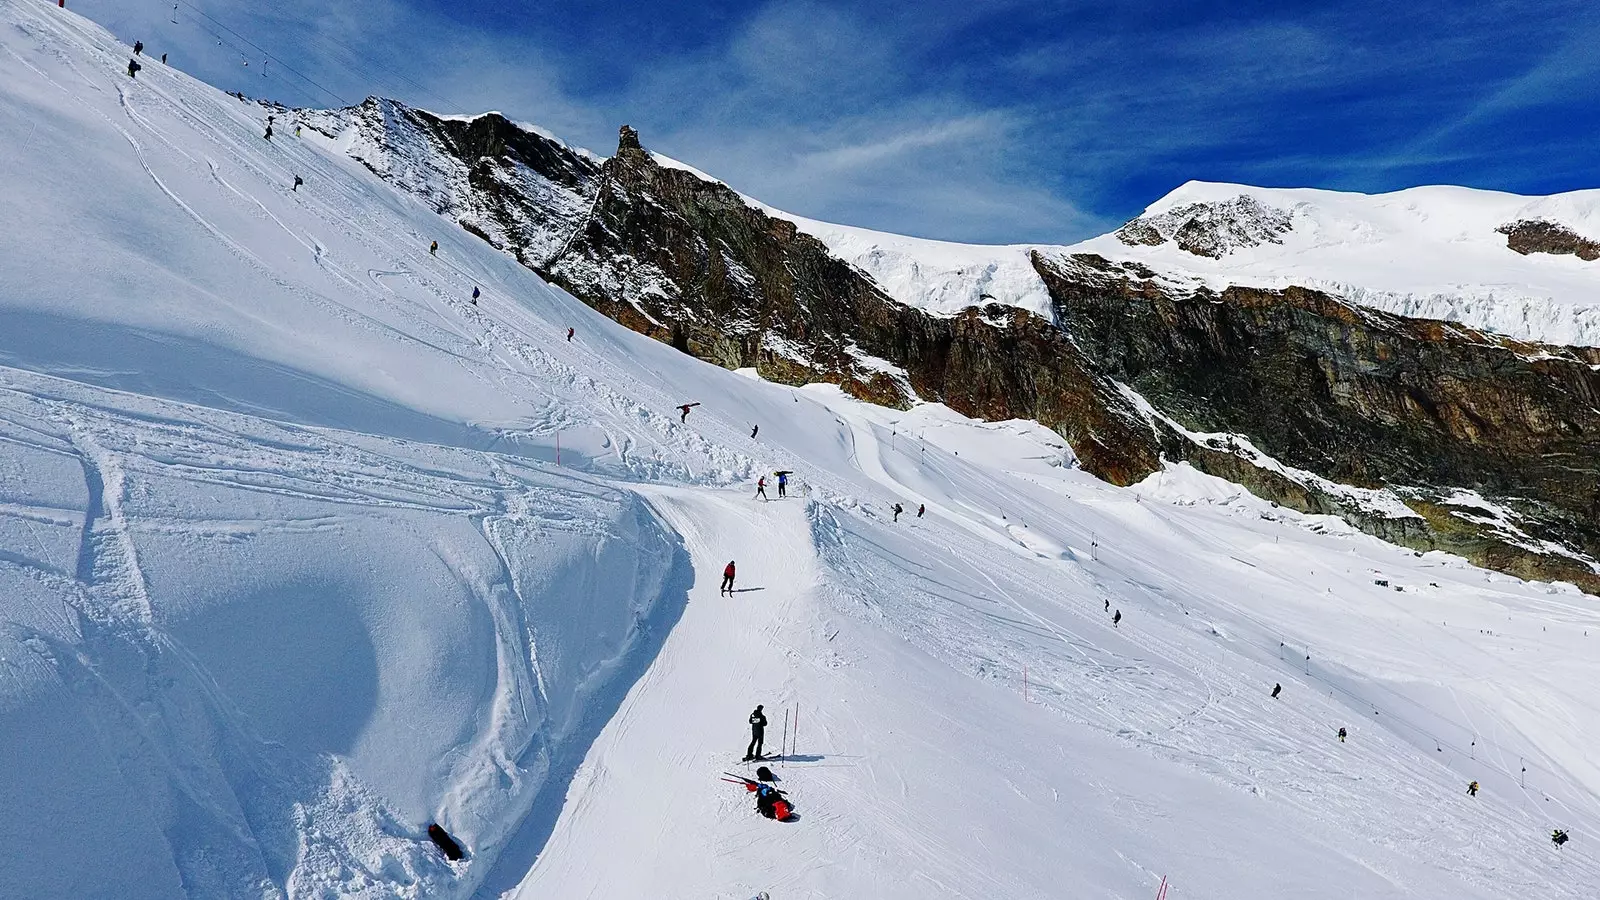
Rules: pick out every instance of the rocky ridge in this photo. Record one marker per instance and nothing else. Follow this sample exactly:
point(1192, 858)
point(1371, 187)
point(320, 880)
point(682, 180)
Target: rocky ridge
point(1298, 396)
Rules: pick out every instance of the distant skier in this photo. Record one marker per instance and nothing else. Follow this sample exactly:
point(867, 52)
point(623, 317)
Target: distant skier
point(474, 295)
point(1116, 619)
point(754, 430)
point(297, 129)
point(758, 728)
point(268, 135)
point(761, 487)
point(684, 411)
point(138, 48)
point(433, 247)
point(1472, 789)
point(783, 481)
point(163, 59)
point(570, 332)
point(133, 68)
point(1108, 605)
point(921, 508)
point(1276, 690)
point(297, 182)
point(727, 579)
point(897, 511)
point(1341, 735)
point(1558, 837)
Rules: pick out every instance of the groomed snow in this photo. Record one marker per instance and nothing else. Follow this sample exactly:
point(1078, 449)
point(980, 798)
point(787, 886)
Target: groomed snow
point(301, 550)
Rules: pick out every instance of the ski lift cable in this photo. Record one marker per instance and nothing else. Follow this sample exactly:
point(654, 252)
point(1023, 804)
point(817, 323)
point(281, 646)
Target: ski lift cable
point(266, 55)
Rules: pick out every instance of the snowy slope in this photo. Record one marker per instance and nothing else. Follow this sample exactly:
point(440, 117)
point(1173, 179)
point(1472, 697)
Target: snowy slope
point(1432, 252)
point(290, 569)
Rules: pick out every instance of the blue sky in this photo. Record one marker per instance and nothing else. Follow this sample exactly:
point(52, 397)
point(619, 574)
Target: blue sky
point(979, 120)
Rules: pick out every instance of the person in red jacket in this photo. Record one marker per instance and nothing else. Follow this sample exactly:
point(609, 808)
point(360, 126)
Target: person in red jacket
point(727, 579)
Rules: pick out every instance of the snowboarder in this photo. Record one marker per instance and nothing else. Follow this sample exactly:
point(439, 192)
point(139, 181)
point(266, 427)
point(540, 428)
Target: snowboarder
point(268, 135)
point(758, 729)
point(433, 247)
point(138, 48)
point(474, 295)
point(133, 68)
point(1276, 690)
point(754, 429)
point(446, 843)
point(783, 481)
point(727, 579)
point(921, 508)
point(897, 511)
point(1116, 619)
point(569, 334)
point(1558, 837)
point(1472, 789)
point(761, 487)
point(297, 182)
point(1341, 735)
point(684, 410)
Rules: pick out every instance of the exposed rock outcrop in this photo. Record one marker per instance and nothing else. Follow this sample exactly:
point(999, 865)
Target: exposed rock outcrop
point(1540, 236)
point(1211, 229)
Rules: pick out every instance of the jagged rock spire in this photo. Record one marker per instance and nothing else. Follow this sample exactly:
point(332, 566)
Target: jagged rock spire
point(628, 139)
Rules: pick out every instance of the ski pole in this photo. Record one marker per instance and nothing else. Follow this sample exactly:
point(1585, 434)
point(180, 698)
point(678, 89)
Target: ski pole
point(783, 745)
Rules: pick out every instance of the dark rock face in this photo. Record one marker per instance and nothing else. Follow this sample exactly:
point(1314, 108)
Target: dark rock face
point(1539, 236)
point(1364, 398)
point(1310, 402)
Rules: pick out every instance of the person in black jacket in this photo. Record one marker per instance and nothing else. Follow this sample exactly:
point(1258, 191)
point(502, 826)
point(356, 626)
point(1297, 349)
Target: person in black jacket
point(758, 729)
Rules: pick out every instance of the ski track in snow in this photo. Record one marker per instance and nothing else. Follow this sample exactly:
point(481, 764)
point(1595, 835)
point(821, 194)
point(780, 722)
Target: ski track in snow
point(262, 622)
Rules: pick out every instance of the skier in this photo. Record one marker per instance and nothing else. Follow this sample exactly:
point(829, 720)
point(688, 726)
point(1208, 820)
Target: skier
point(753, 430)
point(1341, 737)
point(474, 295)
point(268, 135)
point(138, 48)
point(770, 802)
point(569, 334)
point(761, 487)
point(1108, 605)
point(1116, 619)
point(897, 511)
point(297, 129)
point(1276, 690)
point(758, 728)
point(163, 59)
point(433, 247)
point(727, 579)
point(921, 508)
point(1558, 837)
point(783, 481)
point(1472, 789)
point(442, 839)
point(133, 68)
point(684, 410)
point(297, 182)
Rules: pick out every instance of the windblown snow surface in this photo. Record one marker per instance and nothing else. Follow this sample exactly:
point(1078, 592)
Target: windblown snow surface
point(300, 550)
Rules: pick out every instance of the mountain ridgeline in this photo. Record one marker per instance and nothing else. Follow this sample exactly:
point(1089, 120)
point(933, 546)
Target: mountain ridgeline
point(1426, 433)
